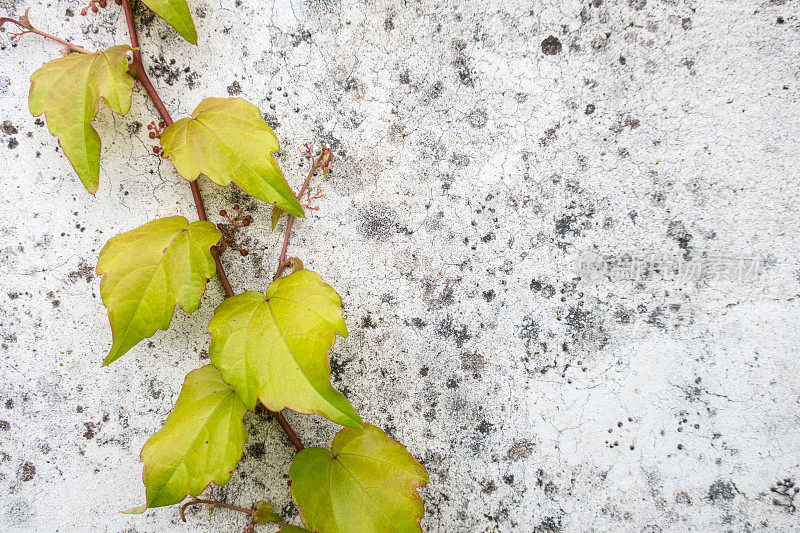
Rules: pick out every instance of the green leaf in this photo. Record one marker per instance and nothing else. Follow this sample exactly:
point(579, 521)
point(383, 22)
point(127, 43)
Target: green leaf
point(366, 482)
point(146, 271)
point(293, 529)
point(227, 140)
point(68, 90)
point(263, 513)
point(201, 441)
point(275, 348)
point(176, 13)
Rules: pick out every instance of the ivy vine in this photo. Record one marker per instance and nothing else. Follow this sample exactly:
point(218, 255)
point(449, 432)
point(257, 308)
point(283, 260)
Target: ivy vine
point(268, 350)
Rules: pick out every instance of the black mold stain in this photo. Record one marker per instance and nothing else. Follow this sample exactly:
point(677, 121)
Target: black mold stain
point(368, 322)
point(551, 46)
point(656, 318)
point(302, 36)
point(577, 318)
point(529, 329)
point(485, 427)
point(785, 492)
point(478, 118)
point(465, 73)
point(678, 232)
point(567, 224)
point(447, 330)
point(551, 524)
point(436, 90)
point(26, 471)
point(164, 70)
point(721, 490)
point(234, 89)
point(8, 128)
point(256, 450)
point(84, 271)
point(519, 450)
point(473, 362)
point(377, 221)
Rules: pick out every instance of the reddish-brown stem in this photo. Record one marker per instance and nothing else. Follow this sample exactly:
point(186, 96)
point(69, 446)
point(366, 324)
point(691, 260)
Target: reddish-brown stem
point(141, 75)
point(213, 503)
point(288, 430)
point(27, 27)
point(282, 262)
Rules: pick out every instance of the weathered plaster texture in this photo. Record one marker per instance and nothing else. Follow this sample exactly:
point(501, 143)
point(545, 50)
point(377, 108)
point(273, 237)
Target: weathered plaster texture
point(481, 149)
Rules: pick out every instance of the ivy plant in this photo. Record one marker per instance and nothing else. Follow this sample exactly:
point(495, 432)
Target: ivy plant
point(268, 350)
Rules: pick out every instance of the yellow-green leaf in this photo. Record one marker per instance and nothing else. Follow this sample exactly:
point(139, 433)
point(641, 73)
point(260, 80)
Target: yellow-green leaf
point(274, 348)
point(293, 529)
point(147, 270)
point(176, 13)
point(367, 482)
point(227, 140)
point(201, 441)
point(68, 90)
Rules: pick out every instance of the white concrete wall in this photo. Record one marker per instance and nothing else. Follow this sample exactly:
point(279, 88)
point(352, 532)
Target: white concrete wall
point(473, 170)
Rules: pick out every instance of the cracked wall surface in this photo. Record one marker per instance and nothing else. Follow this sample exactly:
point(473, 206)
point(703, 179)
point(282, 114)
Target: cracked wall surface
point(565, 233)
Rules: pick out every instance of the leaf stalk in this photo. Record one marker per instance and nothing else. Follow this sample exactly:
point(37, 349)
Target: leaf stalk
point(25, 26)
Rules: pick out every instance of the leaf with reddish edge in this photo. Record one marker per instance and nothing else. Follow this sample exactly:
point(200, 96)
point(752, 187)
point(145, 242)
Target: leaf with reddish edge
point(228, 140)
point(150, 269)
point(68, 91)
point(367, 482)
point(200, 442)
point(274, 347)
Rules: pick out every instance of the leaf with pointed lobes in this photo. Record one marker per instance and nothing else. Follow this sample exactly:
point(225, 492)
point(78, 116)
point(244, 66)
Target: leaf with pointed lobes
point(200, 442)
point(274, 347)
point(367, 482)
point(176, 14)
point(68, 91)
point(227, 140)
point(150, 269)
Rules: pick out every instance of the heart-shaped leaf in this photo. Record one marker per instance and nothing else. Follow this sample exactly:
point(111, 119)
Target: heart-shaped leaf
point(68, 90)
point(201, 441)
point(147, 270)
point(227, 140)
point(274, 348)
point(367, 482)
point(176, 13)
